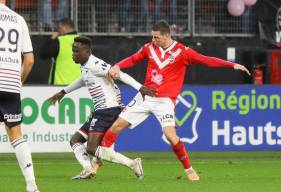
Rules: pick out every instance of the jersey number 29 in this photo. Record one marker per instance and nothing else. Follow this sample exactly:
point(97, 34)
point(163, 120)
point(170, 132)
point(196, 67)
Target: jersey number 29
point(13, 36)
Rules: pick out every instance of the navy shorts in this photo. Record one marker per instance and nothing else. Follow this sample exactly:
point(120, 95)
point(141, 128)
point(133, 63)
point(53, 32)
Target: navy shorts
point(100, 121)
point(10, 108)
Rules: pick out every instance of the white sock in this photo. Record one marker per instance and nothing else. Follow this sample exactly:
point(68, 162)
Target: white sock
point(23, 155)
point(96, 160)
point(82, 156)
point(109, 154)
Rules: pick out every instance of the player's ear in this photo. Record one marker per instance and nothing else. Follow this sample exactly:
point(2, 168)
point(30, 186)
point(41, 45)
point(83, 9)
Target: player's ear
point(89, 51)
point(167, 35)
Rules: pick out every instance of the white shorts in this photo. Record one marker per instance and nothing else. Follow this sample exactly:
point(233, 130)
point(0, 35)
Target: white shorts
point(138, 110)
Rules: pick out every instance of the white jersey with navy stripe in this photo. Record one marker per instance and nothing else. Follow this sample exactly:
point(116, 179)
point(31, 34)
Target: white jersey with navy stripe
point(105, 93)
point(14, 40)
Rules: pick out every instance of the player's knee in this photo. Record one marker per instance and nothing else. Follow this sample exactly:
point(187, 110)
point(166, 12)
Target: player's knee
point(115, 127)
point(172, 138)
point(119, 125)
point(171, 134)
point(169, 139)
point(73, 141)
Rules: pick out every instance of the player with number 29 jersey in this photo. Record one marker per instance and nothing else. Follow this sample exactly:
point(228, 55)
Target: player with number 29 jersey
point(14, 41)
point(16, 62)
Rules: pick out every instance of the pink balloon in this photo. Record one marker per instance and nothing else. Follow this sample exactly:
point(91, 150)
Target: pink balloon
point(236, 7)
point(250, 2)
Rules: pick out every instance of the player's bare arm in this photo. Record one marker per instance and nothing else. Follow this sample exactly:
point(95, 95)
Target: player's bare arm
point(28, 61)
point(114, 71)
point(241, 68)
point(57, 97)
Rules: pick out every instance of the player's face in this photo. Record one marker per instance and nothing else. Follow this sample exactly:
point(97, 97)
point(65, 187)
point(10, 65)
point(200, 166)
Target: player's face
point(61, 29)
point(80, 53)
point(159, 39)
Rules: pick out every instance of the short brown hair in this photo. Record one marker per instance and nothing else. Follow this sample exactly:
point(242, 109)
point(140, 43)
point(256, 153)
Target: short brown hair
point(67, 22)
point(162, 26)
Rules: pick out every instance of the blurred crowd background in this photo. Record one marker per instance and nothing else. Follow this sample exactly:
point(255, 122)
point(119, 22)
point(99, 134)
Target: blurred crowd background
point(119, 17)
point(249, 28)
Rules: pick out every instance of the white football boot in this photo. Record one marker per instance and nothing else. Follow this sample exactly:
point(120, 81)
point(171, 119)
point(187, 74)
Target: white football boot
point(85, 174)
point(137, 168)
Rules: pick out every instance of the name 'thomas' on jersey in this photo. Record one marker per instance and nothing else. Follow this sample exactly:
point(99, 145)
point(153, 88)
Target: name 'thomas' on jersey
point(14, 41)
point(166, 67)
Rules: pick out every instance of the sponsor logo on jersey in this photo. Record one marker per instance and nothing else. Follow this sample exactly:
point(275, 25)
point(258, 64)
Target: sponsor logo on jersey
point(156, 77)
point(167, 118)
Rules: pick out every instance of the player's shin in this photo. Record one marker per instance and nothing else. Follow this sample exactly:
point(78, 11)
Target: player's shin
point(23, 155)
point(109, 138)
point(181, 153)
point(97, 162)
point(82, 156)
point(110, 155)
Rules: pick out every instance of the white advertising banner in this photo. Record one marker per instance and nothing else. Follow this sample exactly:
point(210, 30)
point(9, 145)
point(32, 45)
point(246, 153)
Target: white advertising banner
point(48, 128)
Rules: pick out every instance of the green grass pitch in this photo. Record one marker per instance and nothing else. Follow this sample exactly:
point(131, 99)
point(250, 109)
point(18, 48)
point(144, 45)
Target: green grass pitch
point(219, 172)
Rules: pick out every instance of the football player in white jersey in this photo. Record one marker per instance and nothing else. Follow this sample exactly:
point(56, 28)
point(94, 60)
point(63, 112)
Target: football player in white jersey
point(107, 106)
point(15, 44)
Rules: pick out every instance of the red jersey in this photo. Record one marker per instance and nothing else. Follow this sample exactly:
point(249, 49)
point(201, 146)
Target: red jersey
point(166, 67)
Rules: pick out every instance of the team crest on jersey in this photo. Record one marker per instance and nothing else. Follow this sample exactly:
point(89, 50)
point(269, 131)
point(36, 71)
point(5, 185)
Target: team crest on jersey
point(156, 77)
point(174, 55)
point(171, 59)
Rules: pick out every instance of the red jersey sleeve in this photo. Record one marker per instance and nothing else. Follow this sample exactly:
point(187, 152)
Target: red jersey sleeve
point(192, 57)
point(133, 59)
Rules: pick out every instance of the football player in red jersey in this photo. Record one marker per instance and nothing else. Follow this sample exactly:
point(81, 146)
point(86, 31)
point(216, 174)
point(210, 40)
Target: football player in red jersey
point(167, 63)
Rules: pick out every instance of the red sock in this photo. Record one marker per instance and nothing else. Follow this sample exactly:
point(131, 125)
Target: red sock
point(109, 138)
point(182, 155)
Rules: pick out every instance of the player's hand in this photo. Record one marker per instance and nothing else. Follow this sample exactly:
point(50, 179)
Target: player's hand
point(55, 35)
point(57, 97)
point(241, 68)
point(109, 78)
point(150, 91)
point(114, 72)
